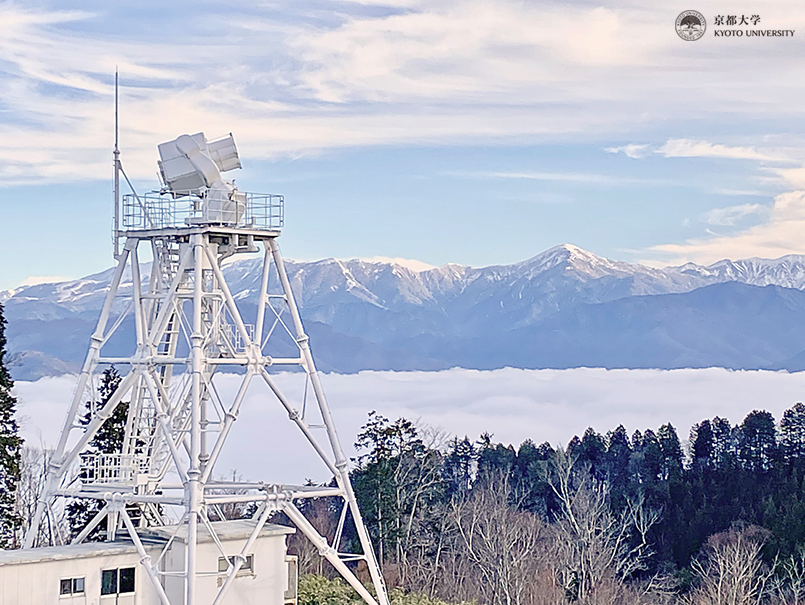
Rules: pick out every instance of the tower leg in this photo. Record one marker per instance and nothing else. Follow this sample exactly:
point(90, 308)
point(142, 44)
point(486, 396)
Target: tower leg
point(90, 361)
point(194, 489)
point(340, 460)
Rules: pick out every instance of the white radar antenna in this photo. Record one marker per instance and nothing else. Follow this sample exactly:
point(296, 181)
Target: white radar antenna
point(189, 329)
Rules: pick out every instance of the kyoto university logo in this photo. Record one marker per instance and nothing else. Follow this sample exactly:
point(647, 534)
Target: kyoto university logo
point(690, 25)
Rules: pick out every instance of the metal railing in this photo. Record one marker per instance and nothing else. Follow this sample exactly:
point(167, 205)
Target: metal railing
point(125, 469)
point(158, 210)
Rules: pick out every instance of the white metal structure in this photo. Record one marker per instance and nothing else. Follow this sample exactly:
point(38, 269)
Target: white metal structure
point(189, 328)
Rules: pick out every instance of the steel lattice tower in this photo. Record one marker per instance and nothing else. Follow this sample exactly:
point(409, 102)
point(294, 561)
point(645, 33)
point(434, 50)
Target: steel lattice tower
point(188, 329)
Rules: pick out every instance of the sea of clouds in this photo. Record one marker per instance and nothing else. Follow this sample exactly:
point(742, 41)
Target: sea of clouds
point(511, 404)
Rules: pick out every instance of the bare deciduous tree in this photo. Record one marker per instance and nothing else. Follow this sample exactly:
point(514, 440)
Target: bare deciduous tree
point(33, 473)
point(731, 571)
point(789, 585)
point(506, 548)
point(595, 547)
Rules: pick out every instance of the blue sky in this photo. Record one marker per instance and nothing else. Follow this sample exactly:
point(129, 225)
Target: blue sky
point(476, 132)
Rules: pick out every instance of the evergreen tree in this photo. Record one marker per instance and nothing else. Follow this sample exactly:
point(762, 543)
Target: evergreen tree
point(107, 440)
point(529, 479)
point(110, 435)
point(792, 433)
point(495, 460)
point(671, 450)
point(10, 451)
point(590, 452)
point(725, 443)
point(617, 458)
point(758, 441)
point(458, 468)
point(701, 444)
point(646, 463)
point(394, 481)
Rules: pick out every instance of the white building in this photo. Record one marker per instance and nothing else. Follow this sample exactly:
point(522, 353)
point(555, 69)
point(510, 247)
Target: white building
point(109, 573)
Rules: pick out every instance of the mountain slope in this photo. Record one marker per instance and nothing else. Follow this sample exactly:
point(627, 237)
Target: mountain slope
point(561, 308)
point(731, 325)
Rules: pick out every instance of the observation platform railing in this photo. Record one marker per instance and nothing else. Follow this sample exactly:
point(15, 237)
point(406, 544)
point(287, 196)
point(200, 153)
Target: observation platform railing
point(120, 469)
point(157, 210)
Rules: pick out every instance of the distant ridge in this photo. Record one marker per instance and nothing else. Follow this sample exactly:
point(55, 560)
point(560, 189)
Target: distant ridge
point(556, 309)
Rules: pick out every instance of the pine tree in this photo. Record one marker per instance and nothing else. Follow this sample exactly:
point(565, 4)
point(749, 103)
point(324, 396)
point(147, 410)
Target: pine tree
point(10, 451)
point(758, 441)
point(108, 440)
point(616, 463)
point(459, 467)
point(792, 433)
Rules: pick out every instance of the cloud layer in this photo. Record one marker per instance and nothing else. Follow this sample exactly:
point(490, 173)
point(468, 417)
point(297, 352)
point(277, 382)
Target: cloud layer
point(513, 405)
point(294, 77)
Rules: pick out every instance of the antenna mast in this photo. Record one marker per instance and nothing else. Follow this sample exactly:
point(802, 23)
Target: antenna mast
point(116, 236)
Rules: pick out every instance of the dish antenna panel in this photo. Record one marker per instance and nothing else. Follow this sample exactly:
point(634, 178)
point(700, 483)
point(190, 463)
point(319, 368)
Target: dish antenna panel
point(189, 164)
point(188, 328)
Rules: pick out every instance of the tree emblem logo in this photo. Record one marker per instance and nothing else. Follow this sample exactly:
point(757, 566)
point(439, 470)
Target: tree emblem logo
point(690, 25)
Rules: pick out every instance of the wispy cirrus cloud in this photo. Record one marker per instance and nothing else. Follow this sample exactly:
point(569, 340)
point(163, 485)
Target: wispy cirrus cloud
point(692, 148)
point(794, 176)
point(697, 148)
point(563, 177)
point(288, 78)
point(633, 150)
point(779, 234)
point(731, 215)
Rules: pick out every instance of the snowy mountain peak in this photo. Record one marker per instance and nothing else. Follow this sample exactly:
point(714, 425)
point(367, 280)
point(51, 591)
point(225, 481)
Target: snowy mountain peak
point(573, 259)
point(566, 253)
point(392, 282)
point(417, 266)
point(389, 314)
point(786, 271)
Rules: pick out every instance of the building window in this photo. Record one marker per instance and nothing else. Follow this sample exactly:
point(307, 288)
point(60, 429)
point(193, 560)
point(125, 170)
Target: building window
point(109, 581)
point(126, 580)
point(117, 581)
point(71, 586)
point(246, 568)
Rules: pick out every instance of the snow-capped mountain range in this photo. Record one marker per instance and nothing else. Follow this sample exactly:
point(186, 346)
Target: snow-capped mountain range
point(565, 307)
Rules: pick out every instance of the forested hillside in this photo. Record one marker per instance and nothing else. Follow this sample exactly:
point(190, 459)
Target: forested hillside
point(612, 518)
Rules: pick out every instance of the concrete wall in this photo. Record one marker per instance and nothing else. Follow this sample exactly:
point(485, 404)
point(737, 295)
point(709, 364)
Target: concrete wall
point(38, 582)
point(264, 585)
point(33, 577)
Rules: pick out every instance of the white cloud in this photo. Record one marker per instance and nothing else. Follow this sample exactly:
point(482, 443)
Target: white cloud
point(691, 148)
point(695, 148)
point(780, 234)
point(35, 280)
point(569, 177)
point(633, 150)
point(731, 215)
point(513, 405)
point(431, 72)
point(737, 192)
point(794, 176)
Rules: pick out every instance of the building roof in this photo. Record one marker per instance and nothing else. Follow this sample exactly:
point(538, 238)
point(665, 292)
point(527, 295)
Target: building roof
point(71, 551)
point(239, 529)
